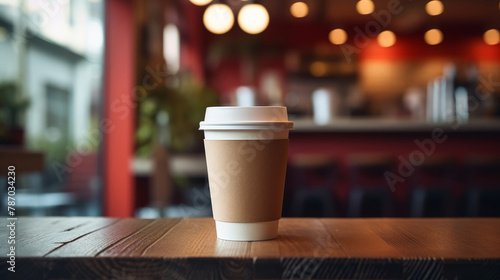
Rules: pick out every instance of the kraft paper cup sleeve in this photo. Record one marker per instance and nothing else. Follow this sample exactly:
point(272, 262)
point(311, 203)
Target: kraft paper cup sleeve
point(246, 179)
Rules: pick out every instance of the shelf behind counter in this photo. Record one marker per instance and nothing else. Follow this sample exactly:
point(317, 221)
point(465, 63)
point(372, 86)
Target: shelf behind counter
point(394, 125)
point(347, 137)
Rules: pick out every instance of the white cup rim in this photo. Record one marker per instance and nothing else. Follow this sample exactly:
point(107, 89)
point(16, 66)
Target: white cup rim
point(246, 125)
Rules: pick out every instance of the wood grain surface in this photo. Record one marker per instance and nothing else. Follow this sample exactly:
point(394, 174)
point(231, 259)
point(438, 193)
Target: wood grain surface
point(127, 248)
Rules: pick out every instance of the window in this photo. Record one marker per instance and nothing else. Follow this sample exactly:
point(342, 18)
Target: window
point(57, 113)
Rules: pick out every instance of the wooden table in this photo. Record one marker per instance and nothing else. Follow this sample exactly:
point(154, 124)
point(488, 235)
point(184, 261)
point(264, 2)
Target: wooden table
point(107, 248)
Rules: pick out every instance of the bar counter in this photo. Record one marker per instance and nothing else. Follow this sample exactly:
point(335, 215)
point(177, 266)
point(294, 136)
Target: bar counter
point(129, 248)
point(394, 125)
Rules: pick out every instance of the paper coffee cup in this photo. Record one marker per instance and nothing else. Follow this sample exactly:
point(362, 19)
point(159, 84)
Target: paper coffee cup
point(246, 150)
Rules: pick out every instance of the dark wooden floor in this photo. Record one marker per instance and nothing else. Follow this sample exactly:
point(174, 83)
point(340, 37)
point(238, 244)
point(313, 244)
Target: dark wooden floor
point(104, 248)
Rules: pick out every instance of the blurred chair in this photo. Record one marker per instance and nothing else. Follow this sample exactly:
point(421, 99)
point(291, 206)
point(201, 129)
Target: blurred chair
point(82, 186)
point(23, 160)
point(314, 177)
point(31, 199)
point(370, 195)
point(431, 188)
point(483, 186)
point(79, 180)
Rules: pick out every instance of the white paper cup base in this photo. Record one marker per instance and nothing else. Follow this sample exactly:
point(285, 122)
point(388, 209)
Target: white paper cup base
point(247, 231)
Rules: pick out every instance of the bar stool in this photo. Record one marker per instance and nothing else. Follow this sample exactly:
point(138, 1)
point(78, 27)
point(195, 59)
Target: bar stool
point(431, 188)
point(314, 177)
point(483, 186)
point(370, 196)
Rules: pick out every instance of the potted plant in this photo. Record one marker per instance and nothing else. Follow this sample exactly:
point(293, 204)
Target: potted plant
point(173, 114)
point(11, 108)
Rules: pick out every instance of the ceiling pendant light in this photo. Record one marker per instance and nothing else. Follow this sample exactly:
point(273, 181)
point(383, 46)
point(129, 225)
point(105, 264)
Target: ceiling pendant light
point(253, 18)
point(200, 2)
point(218, 18)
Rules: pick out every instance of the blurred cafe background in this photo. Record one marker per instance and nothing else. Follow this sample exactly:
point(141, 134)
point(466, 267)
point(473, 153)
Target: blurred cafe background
point(395, 103)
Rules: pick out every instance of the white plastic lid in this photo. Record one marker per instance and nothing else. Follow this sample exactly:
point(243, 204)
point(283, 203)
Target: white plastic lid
point(255, 117)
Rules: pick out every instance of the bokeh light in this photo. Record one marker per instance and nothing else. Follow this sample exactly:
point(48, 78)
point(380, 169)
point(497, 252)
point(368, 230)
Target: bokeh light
point(433, 36)
point(434, 7)
point(491, 37)
point(337, 36)
point(386, 38)
point(318, 68)
point(299, 9)
point(253, 18)
point(365, 7)
point(200, 2)
point(218, 18)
